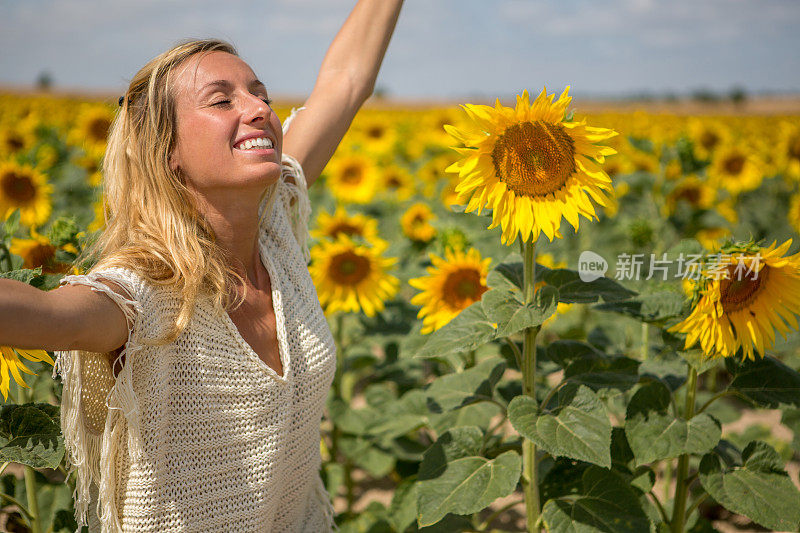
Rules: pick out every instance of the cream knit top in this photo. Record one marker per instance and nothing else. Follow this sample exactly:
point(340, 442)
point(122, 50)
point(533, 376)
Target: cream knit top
point(200, 434)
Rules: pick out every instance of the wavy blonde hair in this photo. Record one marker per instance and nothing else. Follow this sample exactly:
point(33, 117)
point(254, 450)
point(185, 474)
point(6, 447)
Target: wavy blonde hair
point(153, 226)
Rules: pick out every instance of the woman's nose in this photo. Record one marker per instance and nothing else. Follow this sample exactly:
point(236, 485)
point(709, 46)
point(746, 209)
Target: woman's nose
point(257, 109)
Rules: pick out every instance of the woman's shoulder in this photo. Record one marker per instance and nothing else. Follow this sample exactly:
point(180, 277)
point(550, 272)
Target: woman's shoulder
point(289, 207)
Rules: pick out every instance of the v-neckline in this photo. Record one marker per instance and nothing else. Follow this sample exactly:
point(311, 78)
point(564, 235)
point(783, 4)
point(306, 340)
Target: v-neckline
point(277, 309)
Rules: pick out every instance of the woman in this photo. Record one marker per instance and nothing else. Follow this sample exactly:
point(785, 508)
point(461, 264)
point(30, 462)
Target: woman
point(201, 302)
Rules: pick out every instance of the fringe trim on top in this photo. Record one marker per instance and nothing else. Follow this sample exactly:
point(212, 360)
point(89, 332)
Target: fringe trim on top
point(84, 447)
point(299, 215)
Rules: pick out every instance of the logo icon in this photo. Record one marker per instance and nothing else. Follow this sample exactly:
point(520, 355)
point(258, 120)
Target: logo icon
point(591, 266)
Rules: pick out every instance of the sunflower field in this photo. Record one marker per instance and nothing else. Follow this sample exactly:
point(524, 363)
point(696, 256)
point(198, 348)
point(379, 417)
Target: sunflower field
point(545, 320)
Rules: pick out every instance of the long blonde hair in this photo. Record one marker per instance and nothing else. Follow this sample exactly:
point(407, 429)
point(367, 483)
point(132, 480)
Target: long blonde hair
point(153, 226)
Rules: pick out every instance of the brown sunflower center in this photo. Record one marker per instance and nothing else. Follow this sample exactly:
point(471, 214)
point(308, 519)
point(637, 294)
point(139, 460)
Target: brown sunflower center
point(14, 143)
point(39, 255)
point(741, 288)
point(376, 132)
point(19, 188)
point(463, 287)
point(534, 158)
point(709, 139)
point(349, 268)
point(346, 229)
point(734, 164)
point(352, 174)
point(98, 129)
point(394, 181)
point(690, 194)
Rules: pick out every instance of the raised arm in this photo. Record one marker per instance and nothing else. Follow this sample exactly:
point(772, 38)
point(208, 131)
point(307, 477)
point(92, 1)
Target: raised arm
point(71, 317)
point(345, 80)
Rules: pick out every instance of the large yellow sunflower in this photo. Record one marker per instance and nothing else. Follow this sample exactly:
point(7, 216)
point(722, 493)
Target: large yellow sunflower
point(351, 277)
point(10, 362)
point(758, 292)
point(531, 166)
point(341, 223)
point(416, 223)
point(353, 178)
point(25, 188)
point(453, 283)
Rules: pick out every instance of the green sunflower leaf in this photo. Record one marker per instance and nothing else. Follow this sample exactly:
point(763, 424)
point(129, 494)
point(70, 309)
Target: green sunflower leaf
point(571, 289)
point(655, 434)
point(578, 428)
point(455, 478)
point(508, 310)
point(655, 307)
point(463, 388)
point(30, 434)
point(760, 489)
point(469, 330)
point(605, 503)
point(766, 382)
point(30, 276)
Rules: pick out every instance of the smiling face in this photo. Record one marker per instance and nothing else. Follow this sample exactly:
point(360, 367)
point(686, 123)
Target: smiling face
point(228, 137)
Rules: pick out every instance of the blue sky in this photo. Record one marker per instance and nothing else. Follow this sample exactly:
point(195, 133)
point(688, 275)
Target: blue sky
point(441, 48)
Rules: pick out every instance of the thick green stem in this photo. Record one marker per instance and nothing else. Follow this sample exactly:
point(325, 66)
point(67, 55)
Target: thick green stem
point(682, 487)
point(529, 475)
point(33, 502)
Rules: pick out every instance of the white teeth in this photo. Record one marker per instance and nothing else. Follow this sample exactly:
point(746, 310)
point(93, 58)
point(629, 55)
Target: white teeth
point(259, 142)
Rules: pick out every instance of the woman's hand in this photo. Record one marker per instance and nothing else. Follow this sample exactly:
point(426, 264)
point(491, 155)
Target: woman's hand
point(346, 79)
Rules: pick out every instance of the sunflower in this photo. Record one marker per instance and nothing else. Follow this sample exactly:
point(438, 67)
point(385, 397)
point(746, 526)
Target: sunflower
point(353, 179)
point(340, 223)
point(10, 362)
point(351, 277)
point(757, 292)
point(25, 188)
point(376, 133)
point(531, 166)
point(453, 283)
point(692, 191)
point(397, 183)
point(38, 251)
point(735, 169)
point(15, 140)
point(707, 135)
point(92, 127)
point(416, 223)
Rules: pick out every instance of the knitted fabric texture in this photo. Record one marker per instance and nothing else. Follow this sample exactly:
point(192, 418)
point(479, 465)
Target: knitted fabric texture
point(200, 434)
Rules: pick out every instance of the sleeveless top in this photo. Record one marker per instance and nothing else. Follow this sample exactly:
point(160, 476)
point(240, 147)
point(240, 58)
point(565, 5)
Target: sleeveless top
point(200, 434)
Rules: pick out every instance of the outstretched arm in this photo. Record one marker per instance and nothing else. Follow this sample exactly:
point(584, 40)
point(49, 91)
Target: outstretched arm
point(345, 80)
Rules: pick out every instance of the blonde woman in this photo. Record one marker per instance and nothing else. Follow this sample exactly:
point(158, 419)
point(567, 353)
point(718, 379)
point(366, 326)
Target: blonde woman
point(195, 357)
